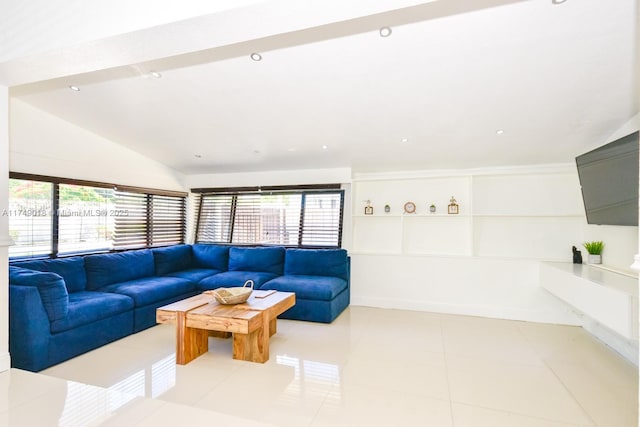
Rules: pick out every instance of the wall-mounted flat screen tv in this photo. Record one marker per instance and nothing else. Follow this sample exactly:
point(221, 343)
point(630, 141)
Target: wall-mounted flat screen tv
point(609, 181)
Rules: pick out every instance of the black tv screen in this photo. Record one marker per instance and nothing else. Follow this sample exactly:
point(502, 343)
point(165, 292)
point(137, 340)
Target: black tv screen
point(609, 181)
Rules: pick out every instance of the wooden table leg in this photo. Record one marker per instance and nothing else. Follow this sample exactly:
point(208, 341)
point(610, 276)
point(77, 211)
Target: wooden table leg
point(273, 327)
point(190, 342)
point(254, 346)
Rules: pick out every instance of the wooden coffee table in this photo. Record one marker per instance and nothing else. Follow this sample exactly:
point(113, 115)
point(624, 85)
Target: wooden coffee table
point(250, 323)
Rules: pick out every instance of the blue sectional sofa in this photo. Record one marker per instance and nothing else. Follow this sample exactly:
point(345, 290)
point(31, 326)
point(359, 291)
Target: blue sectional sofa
point(60, 308)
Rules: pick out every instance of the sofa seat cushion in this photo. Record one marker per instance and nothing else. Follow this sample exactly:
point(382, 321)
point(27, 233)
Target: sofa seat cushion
point(230, 279)
point(308, 287)
point(151, 289)
point(70, 269)
point(172, 258)
point(194, 274)
point(108, 269)
point(87, 307)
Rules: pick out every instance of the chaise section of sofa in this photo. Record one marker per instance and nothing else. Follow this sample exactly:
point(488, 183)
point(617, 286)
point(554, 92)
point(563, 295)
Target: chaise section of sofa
point(50, 321)
point(133, 274)
point(320, 280)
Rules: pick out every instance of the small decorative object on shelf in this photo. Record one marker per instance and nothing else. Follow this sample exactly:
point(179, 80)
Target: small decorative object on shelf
point(453, 206)
point(368, 210)
point(595, 251)
point(432, 208)
point(387, 208)
point(410, 208)
point(577, 255)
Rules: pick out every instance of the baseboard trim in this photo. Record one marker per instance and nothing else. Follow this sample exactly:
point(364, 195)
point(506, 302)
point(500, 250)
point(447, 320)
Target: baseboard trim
point(627, 349)
point(566, 318)
point(5, 362)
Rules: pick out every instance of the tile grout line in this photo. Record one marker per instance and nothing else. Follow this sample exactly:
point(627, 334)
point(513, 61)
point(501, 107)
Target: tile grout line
point(446, 370)
point(564, 386)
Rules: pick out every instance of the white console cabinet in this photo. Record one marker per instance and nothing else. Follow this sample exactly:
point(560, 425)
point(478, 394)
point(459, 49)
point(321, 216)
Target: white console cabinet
point(606, 297)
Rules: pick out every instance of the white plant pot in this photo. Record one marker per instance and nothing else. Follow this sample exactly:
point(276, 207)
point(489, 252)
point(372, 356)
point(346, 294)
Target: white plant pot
point(595, 259)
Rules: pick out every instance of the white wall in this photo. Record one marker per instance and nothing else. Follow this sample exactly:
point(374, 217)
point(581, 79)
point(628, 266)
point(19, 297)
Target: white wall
point(43, 144)
point(251, 179)
point(5, 362)
point(484, 261)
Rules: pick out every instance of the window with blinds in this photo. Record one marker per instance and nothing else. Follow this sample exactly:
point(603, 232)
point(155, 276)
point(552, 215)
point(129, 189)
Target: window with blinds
point(130, 231)
point(30, 217)
point(167, 224)
point(58, 216)
point(85, 219)
point(288, 218)
point(214, 218)
point(322, 221)
point(148, 220)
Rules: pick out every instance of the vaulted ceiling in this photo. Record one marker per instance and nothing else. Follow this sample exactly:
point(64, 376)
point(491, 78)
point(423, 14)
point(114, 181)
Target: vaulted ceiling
point(457, 84)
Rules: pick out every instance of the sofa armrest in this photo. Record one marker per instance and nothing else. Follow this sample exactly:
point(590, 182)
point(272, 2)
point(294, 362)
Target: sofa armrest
point(29, 329)
point(51, 287)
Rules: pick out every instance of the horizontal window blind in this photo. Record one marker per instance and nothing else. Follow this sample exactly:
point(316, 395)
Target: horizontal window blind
point(214, 219)
point(322, 222)
point(130, 229)
point(289, 218)
point(168, 224)
point(85, 219)
point(30, 217)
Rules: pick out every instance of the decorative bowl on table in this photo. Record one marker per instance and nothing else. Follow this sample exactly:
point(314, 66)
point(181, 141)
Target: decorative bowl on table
point(231, 296)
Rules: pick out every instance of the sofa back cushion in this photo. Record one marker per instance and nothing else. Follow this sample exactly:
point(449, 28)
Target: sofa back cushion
point(267, 260)
point(317, 262)
point(70, 269)
point(172, 258)
point(51, 287)
point(106, 269)
point(215, 257)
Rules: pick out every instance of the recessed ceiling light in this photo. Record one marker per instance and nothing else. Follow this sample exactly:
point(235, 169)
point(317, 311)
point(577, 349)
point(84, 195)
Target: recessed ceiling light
point(155, 74)
point(385, 32)
point(500, 131)
point(404, 140)
point(74, 88)
point(558, 1)
point(256, 56)
point(325, 147)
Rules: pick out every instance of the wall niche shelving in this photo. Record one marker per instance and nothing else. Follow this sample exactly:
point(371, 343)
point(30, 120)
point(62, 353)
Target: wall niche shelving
point(523, 215)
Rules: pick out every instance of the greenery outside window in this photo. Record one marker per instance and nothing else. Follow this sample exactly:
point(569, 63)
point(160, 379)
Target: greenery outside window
point(50, 217)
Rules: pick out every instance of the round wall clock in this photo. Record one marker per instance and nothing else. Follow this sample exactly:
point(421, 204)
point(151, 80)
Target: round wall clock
point(410, 207)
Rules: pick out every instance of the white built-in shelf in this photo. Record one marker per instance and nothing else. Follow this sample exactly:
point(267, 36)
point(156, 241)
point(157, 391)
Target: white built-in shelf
point(415, 215)
point(528, 215)
point(499, 218)
point(605, 296)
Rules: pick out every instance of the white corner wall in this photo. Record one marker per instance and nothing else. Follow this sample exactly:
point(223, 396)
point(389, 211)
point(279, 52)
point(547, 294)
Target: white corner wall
point(5, 361)
point(43, 144)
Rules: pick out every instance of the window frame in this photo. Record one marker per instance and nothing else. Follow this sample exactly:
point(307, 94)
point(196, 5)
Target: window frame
point(55, 206)
point(301, 190)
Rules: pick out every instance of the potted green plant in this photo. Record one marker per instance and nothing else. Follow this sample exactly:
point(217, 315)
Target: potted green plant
point(595, 251)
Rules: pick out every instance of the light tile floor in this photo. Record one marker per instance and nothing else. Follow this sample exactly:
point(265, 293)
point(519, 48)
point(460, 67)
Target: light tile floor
point(370, 367)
